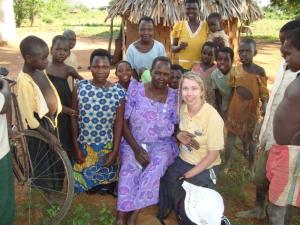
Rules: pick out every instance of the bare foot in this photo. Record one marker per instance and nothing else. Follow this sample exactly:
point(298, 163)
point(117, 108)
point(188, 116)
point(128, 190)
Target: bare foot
point(132, 217)
point(121, 218)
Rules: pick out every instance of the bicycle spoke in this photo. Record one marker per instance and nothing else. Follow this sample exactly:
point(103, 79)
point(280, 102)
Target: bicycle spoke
point(48, 189)
point(49, 167)
point(37, 154)
point(38, 163)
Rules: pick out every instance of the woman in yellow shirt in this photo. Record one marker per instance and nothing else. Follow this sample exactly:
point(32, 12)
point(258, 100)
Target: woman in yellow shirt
point(201, 139)
point(189, 36)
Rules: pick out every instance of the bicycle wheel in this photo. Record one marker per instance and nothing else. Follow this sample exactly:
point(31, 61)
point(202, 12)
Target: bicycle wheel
point(45, 196)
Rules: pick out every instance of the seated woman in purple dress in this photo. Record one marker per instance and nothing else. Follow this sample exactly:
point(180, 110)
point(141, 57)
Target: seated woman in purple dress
point(148, 147)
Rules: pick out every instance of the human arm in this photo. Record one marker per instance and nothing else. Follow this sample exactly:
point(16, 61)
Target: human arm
point(140, 153)
point(177, 47)
point(80, 158)
point(219, 102)
point(203, 164)
point(73, 73)
point(263, 90)
point(118, 125)
point(69, 111)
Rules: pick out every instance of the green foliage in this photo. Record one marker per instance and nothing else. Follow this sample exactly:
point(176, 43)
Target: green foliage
point(283, 11)
point(26, 9)
point(106, 217)
point(50, 213)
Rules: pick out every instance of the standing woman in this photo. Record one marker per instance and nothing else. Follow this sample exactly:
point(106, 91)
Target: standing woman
point(149, 146)
point(189, 36)
point(201, 139)
point(141, 53)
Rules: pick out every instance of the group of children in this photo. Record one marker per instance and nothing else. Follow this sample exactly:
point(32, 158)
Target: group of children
point(89, 113)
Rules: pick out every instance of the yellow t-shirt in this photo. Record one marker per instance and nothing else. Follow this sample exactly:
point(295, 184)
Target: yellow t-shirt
point(192, 54)
point(208, 126)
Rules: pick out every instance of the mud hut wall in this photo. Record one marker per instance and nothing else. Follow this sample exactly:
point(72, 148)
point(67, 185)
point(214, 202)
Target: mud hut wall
point(161, 34)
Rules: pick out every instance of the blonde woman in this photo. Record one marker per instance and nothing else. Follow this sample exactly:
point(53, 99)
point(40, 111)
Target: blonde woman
point(201, 139)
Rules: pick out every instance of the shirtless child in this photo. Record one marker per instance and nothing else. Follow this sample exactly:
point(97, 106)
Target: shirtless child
point(39, 105)
point(283, 164)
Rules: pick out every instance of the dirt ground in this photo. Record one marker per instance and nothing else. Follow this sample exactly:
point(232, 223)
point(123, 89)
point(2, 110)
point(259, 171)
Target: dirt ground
point(10, 57)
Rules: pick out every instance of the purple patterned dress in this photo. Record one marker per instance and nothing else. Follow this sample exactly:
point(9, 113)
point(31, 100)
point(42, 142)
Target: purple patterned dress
point(152, 125)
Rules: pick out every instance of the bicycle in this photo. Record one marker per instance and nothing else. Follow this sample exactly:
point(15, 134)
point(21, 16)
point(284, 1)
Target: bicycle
point(44, 183)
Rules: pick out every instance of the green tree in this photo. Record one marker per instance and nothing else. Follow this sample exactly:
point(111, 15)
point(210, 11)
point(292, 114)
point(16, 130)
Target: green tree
point(26, 9)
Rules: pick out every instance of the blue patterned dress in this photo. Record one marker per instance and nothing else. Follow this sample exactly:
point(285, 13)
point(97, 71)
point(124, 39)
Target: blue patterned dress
point(97, 111)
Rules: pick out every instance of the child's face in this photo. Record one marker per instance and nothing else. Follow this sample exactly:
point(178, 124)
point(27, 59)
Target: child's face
point(207, 55)
point(160, 75)
point(292, 56)
point(72, 40)
point(60, 51)
point(246, 53)
point(39, 59)
point(175, 76)
point(124, 72)
point(213, 25)
point(100, 68)
point(224, 62)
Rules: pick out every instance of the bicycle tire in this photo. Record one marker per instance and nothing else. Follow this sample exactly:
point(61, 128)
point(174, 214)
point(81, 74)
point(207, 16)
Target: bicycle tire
point(48, 195)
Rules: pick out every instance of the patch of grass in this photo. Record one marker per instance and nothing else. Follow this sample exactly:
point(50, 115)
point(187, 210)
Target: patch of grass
point(85, 22)
point(267, 29)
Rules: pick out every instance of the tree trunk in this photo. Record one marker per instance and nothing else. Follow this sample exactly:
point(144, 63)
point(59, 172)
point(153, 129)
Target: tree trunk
point(7, 22)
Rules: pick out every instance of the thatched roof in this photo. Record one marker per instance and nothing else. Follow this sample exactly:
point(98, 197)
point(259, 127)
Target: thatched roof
point(170, 11)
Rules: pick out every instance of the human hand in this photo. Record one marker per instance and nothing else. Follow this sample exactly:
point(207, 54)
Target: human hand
point(53, 141)
point(80, 158)
point(110, 159)
point(183, 45)
point(188, 139)
point(142, 156)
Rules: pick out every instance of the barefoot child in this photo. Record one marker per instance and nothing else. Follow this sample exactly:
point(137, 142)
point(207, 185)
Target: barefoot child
point(220, 78)
point(205, 68)
point(40, 106)
point(58, 72)
point(249, 83)
point(266, 139)
point(175, 75)
point(216, 34)
point(124, 73)
point(97, 131)
point(283, 164)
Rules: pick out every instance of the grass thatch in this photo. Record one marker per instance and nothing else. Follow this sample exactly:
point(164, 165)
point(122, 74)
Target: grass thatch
point(168, 12)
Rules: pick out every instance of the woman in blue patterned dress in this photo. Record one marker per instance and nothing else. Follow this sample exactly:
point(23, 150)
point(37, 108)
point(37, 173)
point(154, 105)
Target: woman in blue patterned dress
point(97, 130)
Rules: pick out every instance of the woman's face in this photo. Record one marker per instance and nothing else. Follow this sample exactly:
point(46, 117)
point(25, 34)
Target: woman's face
point(191, 10)
point(100, 68)
point(191, 92)
point(160, 75)
point(146, 30)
